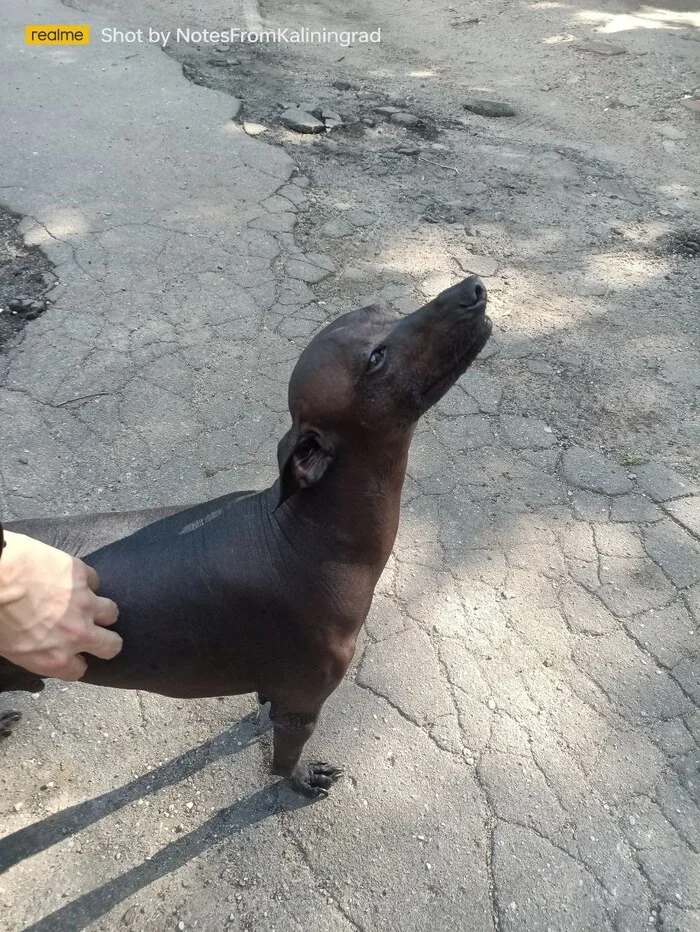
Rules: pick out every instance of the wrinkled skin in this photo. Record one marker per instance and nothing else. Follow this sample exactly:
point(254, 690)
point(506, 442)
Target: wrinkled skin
point(267, 591)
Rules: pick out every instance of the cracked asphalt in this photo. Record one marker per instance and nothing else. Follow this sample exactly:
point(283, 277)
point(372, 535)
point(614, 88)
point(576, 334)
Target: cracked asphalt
point(520, 727)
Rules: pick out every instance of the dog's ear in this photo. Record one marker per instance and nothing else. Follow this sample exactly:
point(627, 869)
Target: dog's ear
point(303, 457)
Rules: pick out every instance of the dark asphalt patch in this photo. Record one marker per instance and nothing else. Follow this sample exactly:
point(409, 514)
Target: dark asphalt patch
point(26, 275)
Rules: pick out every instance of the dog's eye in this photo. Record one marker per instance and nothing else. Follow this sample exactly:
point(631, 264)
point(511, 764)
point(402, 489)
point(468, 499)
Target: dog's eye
point(376, 358)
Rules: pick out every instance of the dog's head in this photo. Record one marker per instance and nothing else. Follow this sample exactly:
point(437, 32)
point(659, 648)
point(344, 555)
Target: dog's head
point(366, 378)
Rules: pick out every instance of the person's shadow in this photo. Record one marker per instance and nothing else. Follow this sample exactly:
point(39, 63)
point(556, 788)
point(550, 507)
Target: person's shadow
point(90, 906)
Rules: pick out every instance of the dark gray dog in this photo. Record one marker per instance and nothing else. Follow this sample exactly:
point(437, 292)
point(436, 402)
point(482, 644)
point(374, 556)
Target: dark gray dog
point(267, 591)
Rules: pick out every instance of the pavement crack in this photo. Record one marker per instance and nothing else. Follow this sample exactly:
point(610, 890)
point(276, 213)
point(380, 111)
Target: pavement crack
point(491, 822)
point(327, 881)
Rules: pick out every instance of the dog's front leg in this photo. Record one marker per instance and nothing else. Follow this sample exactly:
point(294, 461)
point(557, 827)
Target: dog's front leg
point(291, 732)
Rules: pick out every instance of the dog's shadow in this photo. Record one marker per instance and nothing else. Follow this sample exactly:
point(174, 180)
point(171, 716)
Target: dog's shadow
point(90, 906)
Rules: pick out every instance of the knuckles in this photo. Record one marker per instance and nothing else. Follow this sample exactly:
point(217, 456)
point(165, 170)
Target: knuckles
point(53, 663)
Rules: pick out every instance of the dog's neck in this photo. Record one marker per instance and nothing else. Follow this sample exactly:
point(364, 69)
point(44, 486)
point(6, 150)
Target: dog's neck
point(353, 512)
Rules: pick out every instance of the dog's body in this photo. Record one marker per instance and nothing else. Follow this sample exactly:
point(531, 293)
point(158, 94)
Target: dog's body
point(267, 591)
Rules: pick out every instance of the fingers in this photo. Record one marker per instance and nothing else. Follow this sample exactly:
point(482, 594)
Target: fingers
point(104, 644)
point(73, 669)
point(106, 611)
point(91, 574)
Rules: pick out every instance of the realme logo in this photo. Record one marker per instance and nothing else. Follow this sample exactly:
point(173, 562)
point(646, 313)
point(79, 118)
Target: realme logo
point(57, 35)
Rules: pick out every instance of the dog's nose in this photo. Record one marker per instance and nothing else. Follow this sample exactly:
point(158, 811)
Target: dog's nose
point(469, 294)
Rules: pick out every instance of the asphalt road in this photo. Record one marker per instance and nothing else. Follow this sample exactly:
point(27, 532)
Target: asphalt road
point(520, 729)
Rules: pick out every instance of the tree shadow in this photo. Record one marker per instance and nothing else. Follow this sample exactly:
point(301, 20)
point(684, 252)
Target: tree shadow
point(91, 906)
point(41, 835)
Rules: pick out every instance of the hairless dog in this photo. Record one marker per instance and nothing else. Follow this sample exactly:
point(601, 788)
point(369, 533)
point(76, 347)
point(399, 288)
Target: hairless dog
point(267, 591)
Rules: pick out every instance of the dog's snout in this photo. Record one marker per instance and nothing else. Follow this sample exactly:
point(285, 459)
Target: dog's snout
point(469, 294)
point(472, 292)
point(478, 292)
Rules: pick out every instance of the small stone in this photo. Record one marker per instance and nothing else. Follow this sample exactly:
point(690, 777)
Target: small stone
point(405, 119)
point(189, 805)
point(491, 704)
point(254, 129)
point(601, 47)
point(691, 104)
point(301, 121)
point(387, 111)
point(18, 807)
point(179, 828)
point(130, 916)
point(331, 115)
point(489, 108)
point(342, 85)
point(16, 304)
point(181, 925)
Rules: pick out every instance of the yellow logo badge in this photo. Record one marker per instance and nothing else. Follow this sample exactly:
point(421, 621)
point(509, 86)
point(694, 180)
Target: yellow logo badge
point(57, 35)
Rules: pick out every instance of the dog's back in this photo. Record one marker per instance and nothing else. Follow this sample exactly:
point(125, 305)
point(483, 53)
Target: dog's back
point(183, 579)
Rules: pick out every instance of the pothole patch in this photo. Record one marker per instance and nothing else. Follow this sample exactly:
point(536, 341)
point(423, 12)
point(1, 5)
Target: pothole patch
point(26, 275)
point(685, 243)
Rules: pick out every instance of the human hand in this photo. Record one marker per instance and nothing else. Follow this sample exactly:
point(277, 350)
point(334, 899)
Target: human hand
point(49, 612)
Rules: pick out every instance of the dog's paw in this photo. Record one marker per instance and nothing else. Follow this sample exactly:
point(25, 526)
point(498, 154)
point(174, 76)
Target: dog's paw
point(315, 779)
point(8, 720)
